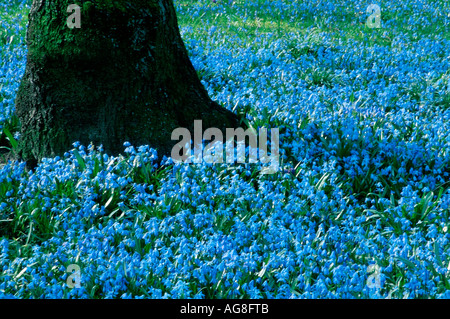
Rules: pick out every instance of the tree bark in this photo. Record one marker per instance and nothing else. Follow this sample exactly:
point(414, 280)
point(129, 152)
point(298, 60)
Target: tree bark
point(124, 75)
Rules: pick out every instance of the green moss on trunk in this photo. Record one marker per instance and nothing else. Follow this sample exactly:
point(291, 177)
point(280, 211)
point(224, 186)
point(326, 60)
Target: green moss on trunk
point(123, 76)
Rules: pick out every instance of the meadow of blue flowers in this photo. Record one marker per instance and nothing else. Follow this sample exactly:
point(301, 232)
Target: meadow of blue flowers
point(360, 209)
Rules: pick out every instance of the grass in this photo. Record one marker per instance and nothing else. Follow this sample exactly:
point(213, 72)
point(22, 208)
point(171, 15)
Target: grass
point(245, 21)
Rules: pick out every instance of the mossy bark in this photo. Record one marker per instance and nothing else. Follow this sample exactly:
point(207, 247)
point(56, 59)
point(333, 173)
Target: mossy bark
point(125, 75)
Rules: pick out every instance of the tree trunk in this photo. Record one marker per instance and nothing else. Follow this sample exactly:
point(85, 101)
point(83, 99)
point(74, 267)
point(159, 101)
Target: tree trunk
point(124, 75)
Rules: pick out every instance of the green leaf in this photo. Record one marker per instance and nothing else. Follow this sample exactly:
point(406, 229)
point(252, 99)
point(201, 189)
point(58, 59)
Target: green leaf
point(262, 272)
point(438, 255)
point(11, 138)
point(96, 168)
point(80, 160)
point(321, 183)
point(407, 262)
point(109, 200)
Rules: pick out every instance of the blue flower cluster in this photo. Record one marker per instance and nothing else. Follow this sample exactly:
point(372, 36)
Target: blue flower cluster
point(12, 53)
point(360, 209)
